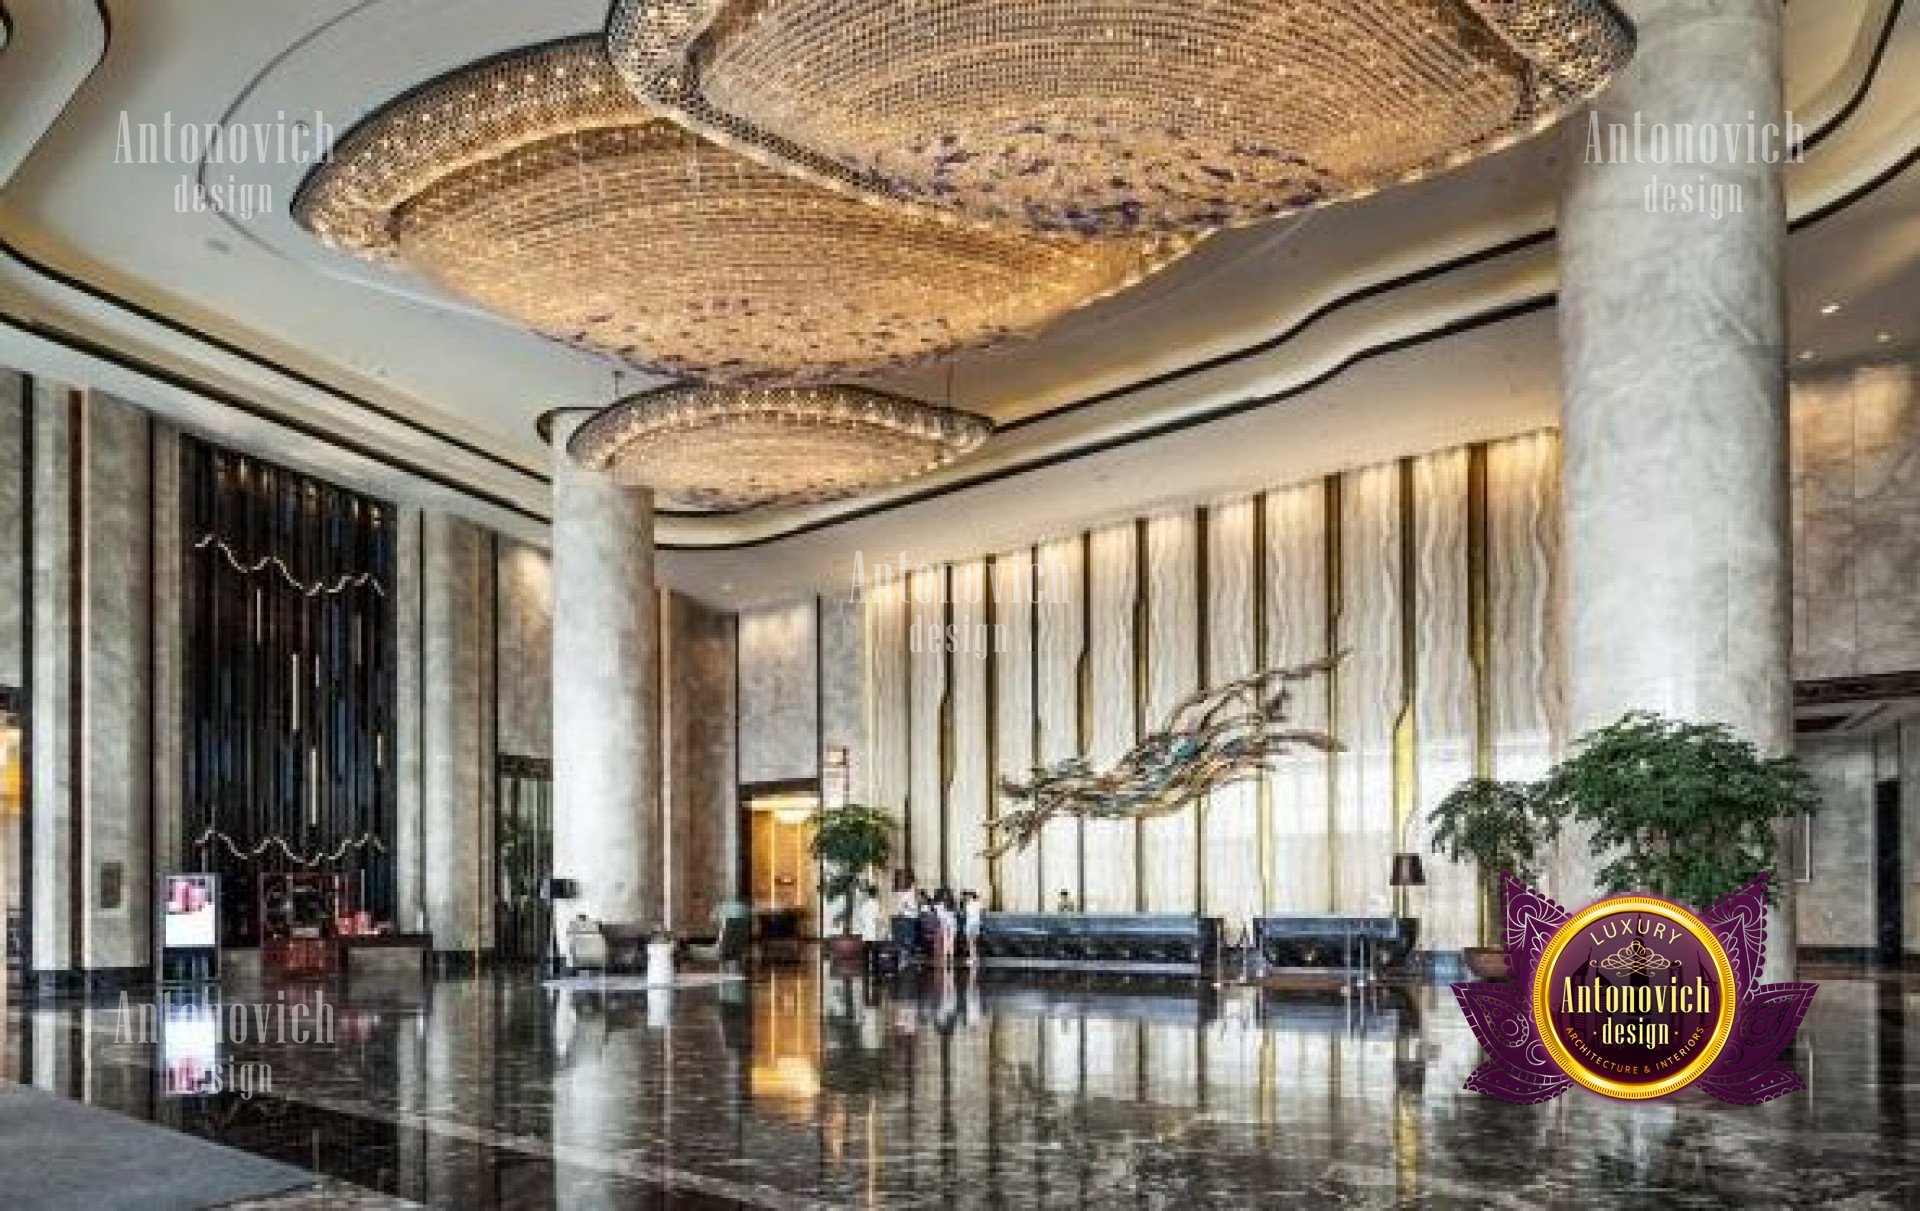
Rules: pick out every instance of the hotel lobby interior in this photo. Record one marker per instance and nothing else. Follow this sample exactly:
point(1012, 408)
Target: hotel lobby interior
point(956, 603)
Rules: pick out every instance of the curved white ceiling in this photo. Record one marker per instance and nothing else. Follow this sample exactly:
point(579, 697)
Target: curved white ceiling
point(428, 397)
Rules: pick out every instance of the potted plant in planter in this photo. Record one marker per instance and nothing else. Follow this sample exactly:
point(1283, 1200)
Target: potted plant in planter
point(1683, 810)
point(853, 842)
point(1499, 827)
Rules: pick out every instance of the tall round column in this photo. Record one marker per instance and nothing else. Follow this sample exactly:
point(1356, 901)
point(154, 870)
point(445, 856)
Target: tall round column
point(1673, 323)
point(606, 661)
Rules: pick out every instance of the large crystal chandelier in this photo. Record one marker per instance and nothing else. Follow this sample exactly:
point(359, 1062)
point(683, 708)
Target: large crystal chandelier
point(536, 185)
point(725, 448)
point(1098, 117)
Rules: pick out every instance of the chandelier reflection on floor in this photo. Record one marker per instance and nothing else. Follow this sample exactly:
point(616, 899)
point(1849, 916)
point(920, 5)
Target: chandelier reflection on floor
point(721, 448)
point(1095, 117)
point(536, 185)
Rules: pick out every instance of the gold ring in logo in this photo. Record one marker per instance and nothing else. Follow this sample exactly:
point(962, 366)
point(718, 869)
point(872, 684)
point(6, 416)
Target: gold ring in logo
point(1633, 958)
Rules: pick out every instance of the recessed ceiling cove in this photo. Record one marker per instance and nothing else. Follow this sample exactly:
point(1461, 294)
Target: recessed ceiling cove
point(535, 185)
point(1103, 118)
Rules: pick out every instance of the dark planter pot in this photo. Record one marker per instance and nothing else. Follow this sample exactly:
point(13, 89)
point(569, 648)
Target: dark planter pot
point(847, 951)
point(1487, 962)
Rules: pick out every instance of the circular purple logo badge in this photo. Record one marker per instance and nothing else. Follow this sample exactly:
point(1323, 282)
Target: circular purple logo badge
point(1634, 997)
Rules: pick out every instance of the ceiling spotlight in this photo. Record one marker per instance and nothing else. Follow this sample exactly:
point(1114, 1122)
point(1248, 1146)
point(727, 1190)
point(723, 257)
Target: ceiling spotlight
point(1830, 309)
point(1806, 355)
point(1884, 338)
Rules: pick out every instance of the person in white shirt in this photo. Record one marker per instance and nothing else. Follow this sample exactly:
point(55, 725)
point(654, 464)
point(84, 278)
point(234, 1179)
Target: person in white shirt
point(947, 927)
point(872, 924)
point(972, 914)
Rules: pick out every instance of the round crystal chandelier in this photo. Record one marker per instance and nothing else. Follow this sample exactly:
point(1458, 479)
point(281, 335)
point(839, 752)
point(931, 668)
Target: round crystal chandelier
point(536, 185)
point(720, 448)
point(1104, 117)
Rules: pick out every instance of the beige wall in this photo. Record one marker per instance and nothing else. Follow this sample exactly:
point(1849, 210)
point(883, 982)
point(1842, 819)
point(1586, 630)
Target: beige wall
point(1856, 522)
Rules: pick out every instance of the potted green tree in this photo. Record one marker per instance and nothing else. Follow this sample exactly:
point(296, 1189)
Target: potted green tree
point(853, 842)
point(1684, 810)
point(1499, 827)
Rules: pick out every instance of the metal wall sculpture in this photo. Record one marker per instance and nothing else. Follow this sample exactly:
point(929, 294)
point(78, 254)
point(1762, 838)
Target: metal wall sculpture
point(1213, 738)
point(288, 665)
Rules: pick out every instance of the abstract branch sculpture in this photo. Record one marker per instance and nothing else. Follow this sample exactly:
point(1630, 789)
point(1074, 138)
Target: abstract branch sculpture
point(1213, 738)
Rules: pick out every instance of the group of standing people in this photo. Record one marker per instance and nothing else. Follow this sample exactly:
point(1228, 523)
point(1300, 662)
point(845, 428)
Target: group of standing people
point(935, 927)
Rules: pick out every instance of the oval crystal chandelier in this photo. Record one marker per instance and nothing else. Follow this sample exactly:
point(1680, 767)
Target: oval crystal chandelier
point(1102, 117)
point(536, 185)
point(719, 448)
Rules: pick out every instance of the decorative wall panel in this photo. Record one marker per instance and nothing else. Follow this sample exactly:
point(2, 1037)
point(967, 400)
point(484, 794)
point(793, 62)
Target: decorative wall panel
point(1444, 688)
point(926, 800)
point(1523, 557)
point(1112, 883)
point(1369, 702)
point(1169, 852)
point(1298, 846)
point(1856, 522)
point(289, 668)
point(1434, 576)
point(1017, 876)
point(1061, 615)
point(779, 694)
point(967, 728)
point(1231, 873)
point(888, 734)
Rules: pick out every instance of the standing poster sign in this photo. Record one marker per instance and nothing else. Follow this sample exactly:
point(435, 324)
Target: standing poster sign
point(190, 929)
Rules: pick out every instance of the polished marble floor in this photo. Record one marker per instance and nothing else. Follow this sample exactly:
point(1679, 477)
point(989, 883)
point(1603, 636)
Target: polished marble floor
point(795, 1089)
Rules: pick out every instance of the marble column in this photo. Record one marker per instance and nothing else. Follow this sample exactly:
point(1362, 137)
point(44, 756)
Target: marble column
point(606, 695)
point(1675, 417)
point(456, 736)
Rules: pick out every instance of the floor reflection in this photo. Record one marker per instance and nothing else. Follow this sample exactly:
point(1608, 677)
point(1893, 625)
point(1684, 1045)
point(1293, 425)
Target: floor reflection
point(798, 1089)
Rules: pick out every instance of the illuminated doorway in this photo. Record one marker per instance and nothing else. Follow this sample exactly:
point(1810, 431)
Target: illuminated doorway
point(783, 880)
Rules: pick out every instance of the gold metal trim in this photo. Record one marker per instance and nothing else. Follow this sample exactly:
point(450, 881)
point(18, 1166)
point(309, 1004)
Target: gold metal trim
point(1142, 670)
point(1203, 679)
point(944, 737)
point(1035, 753)
point(1406, 726)
point(1480, 655)
point(1333, 535)
point(1083, 701)
point(991, 572)
point(1263, 802)
point(1543, 991)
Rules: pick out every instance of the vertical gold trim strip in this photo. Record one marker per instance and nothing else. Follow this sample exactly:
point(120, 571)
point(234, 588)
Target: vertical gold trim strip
point(906, 690)
point(1142, 669)
point(1480, 640)
point(1406, 725)
point(991, 572)
point(1083, 701)
point(1333, 534)
point(1202, 680)
point(944, 736)
point(1263, 800)
point(1036, 755)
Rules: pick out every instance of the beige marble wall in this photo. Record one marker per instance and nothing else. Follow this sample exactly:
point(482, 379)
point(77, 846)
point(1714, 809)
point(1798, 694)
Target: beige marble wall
point(524, 608)
point(458, 783)
point(1856, 522)
point(702, 835)
point(779, 706)
point(1835, 906)
point(14, 418)
point(91, 760)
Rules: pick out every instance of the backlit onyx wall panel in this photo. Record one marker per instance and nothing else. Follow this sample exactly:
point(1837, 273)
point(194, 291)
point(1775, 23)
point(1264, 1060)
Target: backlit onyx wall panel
point(289, 672)
point(1434, 575)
